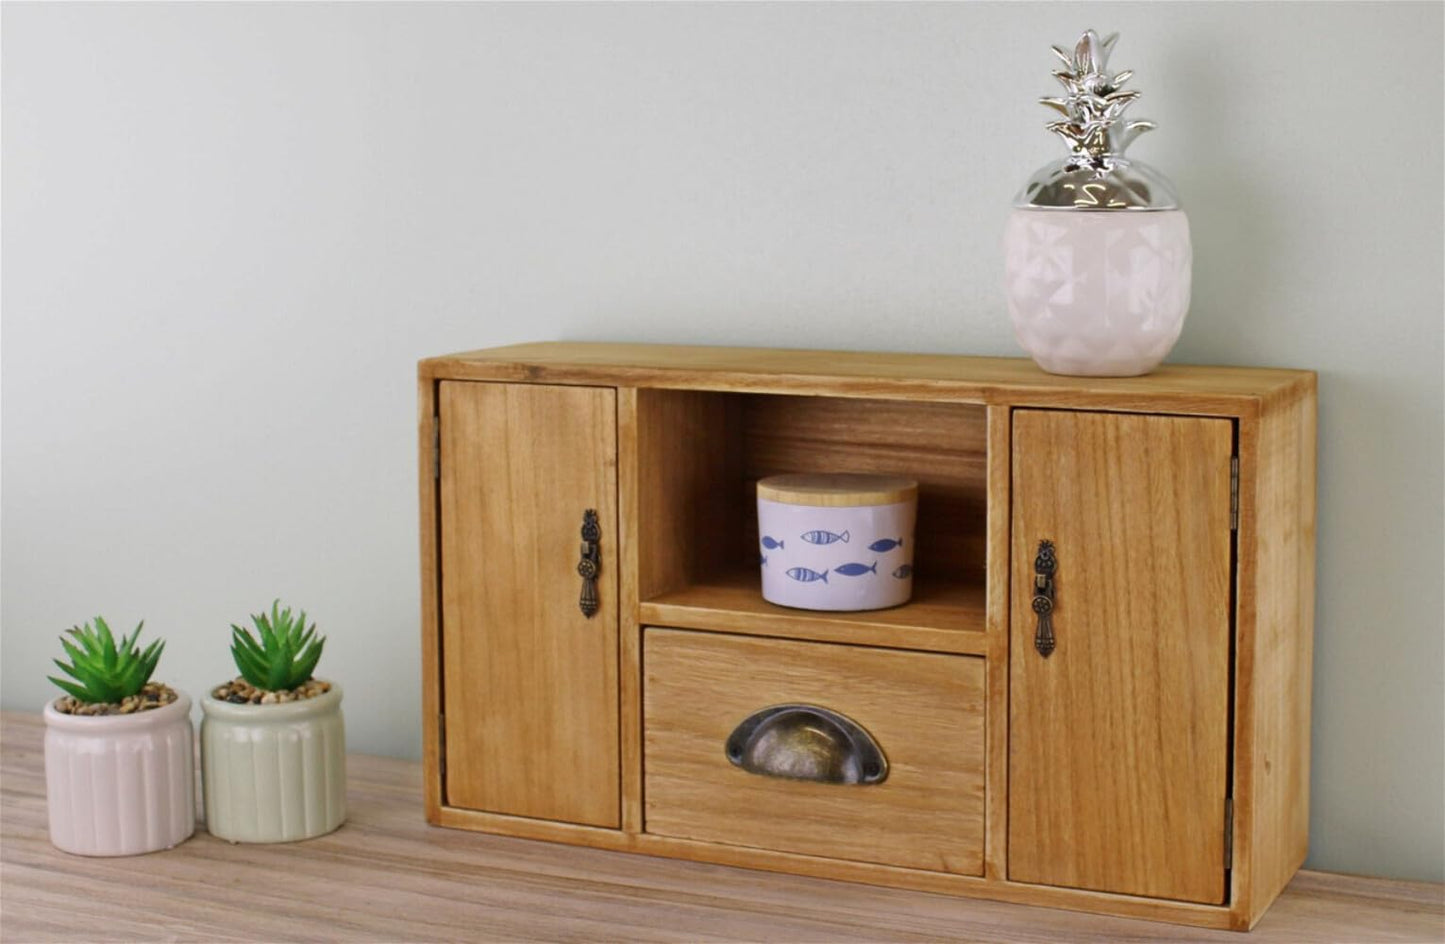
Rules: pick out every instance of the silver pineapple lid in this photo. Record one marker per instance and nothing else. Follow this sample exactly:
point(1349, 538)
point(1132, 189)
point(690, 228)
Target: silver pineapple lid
point(1096, 175)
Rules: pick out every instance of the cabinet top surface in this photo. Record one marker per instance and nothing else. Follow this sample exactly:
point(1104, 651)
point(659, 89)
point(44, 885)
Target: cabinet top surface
point(943, 376)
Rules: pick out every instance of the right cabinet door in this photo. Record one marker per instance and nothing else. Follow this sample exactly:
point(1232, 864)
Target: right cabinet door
point(1119, 736)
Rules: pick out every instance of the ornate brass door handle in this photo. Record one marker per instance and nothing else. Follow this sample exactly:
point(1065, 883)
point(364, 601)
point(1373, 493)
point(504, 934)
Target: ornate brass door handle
point(591, 563)
point(1043, 604)
point(806, 742)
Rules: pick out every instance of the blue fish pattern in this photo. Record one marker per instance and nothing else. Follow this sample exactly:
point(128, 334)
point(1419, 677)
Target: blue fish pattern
point(906, 570)
point(884, 544)
point(804, 575)
point(825, 537)
point(856, 570)
point(763, 560)
point(771, 544)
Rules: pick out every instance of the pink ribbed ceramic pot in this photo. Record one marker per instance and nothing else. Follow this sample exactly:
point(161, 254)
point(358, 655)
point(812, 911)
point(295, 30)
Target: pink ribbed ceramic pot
point(120, 784)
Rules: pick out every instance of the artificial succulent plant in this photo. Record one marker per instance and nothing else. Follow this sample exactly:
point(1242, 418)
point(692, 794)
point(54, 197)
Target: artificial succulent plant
point(106, 671)
point(281, 655)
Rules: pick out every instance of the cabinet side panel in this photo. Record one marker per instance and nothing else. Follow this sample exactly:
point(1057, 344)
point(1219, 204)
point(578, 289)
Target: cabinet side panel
point(687, 507)
point(1277, 572)
point(531, 689)
point(996, 702)
point(431, 679)
point(629, 648)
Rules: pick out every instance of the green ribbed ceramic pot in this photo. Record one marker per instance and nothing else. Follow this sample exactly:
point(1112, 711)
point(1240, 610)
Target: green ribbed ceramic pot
point(273, 773)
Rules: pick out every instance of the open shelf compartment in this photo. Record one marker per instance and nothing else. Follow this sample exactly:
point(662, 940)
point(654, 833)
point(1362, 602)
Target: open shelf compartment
point(700, 455)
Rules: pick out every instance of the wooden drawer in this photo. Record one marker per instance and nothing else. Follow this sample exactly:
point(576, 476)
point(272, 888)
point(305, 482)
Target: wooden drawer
point(923, 710)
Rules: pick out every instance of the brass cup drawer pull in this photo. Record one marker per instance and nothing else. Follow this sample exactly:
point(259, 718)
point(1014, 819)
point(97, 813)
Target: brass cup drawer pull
point(806, 742)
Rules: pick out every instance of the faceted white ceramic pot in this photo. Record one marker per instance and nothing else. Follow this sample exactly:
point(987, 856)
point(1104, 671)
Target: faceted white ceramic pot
point(120, 784)
point(273, 773)
point(837, 558)
point(1097, 293)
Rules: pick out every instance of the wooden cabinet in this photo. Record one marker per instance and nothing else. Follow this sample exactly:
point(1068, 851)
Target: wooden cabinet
point(1137, 743)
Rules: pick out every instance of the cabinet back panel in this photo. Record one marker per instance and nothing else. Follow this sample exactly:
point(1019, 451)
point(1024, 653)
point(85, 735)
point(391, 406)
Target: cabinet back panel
point(531, 683)
point(942, 445)
point(1119, 739)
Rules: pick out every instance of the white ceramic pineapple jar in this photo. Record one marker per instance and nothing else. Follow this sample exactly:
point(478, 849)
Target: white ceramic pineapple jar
point(1096, 252)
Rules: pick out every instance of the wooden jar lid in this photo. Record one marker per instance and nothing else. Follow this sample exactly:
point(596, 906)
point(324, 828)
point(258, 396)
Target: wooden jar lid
point(837, 489)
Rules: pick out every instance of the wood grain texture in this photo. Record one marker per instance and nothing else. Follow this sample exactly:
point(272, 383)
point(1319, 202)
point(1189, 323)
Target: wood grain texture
point(939, 445)
point(686, 462)
point(1172, 388)
point(1119, 739)
point(629, 630)
point(940, 617)
point(1275, 647)
point(999, 522)
point(925, 711)
point(700, 456)
point(531, 694)
point(431, 674)
point(387, 876)
point(791, 863)
point(837, 490)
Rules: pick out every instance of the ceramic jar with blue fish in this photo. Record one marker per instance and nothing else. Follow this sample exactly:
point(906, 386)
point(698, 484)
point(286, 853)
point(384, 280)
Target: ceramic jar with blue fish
point(837, 541)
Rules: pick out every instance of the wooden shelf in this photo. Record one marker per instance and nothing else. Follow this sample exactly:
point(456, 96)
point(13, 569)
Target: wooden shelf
point(939, 618)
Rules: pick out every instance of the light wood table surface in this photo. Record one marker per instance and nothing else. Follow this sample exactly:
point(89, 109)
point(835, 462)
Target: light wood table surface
point(387, 876)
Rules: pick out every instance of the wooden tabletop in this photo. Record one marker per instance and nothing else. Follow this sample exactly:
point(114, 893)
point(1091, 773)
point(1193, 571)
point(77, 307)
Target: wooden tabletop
point(387, 876)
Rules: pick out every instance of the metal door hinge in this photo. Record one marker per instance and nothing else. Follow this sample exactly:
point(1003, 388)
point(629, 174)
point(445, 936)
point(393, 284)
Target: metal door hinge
point(1234, 493)
point(436, 447)
point(1228, 833)
point(442, 746)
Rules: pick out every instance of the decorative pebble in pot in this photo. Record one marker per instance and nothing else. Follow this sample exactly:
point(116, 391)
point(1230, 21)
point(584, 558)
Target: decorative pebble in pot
point(840, 541)
point(273, 741)
point(120, 769)
point(1097, 257)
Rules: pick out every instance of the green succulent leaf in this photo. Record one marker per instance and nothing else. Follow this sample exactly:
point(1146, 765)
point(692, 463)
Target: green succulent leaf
point(306, 661)
point(75, 655)
point(107, 643)
point(87, 641)
point(70, 670)
point(106, 671)
point(252, 669)
point(282, 652)
point(79, 693)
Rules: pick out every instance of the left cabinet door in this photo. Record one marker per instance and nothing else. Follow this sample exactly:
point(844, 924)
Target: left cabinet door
point(529, 681)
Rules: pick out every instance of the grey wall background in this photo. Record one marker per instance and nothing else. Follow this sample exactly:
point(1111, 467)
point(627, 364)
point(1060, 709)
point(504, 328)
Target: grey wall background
point(229, 231)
